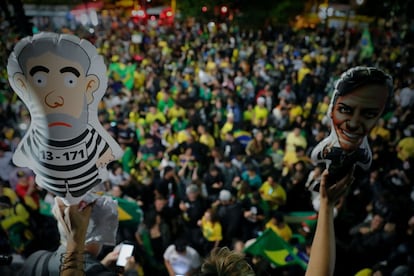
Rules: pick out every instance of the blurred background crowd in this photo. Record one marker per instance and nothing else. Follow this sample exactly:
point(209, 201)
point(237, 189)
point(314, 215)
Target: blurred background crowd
point(217, 122)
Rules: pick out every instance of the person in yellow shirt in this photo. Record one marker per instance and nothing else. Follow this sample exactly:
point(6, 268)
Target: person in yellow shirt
point(9, 192)
point(294, 140)
point(175, 112)
point(279, 226)
point(247, 116)
point(307, 108)
point(380, 131)
point(186, 135)
point(273, 193)
point(260, 113)
point(303, 71)
point(295, 111)
point(211, 66)
point(322, 108)
point(139, 78)
point(153, 115)
point(205, 137)
point(228, 126)
point(405, 148)
point(211, 229)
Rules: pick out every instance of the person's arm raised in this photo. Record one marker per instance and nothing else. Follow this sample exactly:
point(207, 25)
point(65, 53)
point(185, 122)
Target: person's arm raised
point(74, 220)
point(322, 255)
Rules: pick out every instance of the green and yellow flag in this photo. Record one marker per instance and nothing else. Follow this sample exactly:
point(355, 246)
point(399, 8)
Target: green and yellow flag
point(367, 48)
point(129, 212)
point(276, 250)
point(123, 73)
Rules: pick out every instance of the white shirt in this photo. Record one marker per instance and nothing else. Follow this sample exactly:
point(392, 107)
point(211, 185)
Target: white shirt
point(182, 263)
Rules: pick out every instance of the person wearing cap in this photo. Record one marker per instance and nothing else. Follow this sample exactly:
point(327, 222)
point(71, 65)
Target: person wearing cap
point(181, 259)
point(260, 113)
point(192, 208)
point(230, 214)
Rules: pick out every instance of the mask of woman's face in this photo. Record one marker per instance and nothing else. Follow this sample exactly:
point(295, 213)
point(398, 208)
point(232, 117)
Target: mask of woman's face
point(356, 113)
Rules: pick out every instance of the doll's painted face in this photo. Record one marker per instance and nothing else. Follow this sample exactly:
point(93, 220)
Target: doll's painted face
point(356, 113)
point(62, 89)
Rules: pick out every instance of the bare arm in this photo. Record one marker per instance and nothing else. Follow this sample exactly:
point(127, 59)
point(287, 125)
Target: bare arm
point(169, 268)
point(322, 256)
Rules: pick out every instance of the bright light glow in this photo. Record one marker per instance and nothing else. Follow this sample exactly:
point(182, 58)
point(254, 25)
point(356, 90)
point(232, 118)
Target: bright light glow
point(152, 17)
point(169, 13)
point(224, 9)
point(204, 9)
point(360, 2)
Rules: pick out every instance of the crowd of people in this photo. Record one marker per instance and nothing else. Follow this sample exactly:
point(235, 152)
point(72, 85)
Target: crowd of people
point(217, 127)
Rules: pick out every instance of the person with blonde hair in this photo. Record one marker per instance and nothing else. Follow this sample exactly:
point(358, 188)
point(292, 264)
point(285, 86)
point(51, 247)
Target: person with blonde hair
point(223, 261)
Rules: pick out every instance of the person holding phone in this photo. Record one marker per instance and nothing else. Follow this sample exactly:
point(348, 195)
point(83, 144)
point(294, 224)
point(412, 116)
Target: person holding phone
point(124, 254)
point(78, 253)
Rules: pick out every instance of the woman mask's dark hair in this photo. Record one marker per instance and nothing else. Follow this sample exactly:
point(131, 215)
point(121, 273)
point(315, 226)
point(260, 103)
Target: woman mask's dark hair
point(360, 76)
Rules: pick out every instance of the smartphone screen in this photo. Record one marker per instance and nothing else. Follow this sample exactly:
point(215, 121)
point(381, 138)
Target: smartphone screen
point(124, 253)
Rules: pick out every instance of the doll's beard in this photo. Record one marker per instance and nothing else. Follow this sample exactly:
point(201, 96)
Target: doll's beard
point(72, 127)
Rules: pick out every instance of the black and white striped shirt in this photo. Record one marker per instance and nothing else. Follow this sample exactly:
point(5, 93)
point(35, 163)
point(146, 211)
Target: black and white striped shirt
point(67, 166)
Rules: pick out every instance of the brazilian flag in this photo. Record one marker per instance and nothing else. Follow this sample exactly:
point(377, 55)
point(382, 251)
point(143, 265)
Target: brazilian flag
point(123, 73)
point(367, 48)
point(243, 136)
point(129, 212)
point(276, 250)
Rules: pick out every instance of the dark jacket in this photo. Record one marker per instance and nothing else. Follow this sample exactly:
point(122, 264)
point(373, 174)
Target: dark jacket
point(47, 263)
